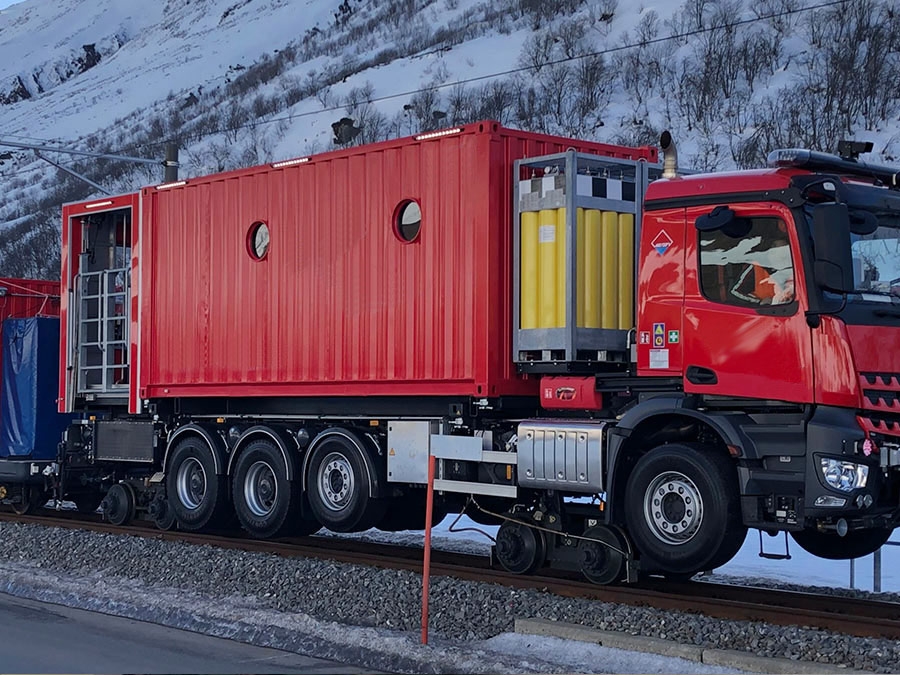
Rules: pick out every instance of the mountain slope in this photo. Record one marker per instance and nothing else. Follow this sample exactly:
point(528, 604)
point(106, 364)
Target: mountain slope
point(238, 82)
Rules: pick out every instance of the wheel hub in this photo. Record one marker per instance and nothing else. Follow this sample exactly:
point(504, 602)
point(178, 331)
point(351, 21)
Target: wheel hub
point(673, 508)
point(261, 489)
point(191, 483)
point(336, 482)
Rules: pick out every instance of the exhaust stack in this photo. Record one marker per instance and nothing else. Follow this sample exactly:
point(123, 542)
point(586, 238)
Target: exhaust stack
point(670, 155)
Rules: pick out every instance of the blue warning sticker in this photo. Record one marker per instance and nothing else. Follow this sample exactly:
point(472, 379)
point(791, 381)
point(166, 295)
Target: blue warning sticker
point(659, 335)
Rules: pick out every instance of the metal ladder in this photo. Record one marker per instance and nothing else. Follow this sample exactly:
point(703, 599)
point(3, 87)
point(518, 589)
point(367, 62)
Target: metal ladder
point(104, 319)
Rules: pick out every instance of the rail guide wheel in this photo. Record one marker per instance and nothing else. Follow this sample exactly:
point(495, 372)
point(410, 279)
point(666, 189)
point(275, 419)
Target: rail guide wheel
point(602, 561)
point(119, 503)
point(520, 549)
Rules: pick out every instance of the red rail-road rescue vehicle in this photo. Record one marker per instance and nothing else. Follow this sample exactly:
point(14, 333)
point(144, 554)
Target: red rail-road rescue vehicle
point(623, 367)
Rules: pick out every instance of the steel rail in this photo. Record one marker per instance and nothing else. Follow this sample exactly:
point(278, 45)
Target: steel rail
point(850, 616)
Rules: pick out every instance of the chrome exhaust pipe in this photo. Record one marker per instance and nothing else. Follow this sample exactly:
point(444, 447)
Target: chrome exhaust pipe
point(670, 155)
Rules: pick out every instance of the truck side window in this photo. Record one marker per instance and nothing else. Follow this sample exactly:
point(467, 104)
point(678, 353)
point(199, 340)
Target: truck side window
point(747, 265)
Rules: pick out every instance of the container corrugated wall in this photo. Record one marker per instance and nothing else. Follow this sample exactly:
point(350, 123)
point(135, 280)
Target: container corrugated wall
point(340, 306)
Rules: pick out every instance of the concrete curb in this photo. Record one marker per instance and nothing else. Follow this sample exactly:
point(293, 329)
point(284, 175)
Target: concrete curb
point(713, 657)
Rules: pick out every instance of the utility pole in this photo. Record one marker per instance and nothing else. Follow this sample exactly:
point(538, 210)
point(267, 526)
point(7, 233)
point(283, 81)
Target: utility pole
point(169, 164)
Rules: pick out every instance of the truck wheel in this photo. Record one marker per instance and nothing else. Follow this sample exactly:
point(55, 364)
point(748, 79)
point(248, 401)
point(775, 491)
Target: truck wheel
point(831, 546)
point(681, 504)
point(266, 502)
point(338, 489)
point(195, 493)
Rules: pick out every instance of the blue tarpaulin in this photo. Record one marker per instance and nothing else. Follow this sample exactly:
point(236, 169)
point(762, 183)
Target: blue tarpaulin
point(30, 427)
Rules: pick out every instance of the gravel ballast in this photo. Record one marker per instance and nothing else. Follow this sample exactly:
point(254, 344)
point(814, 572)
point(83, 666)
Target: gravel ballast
point(139, 574)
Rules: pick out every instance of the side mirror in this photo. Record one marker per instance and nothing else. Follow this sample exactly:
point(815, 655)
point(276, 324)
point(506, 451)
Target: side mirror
point(831, 236)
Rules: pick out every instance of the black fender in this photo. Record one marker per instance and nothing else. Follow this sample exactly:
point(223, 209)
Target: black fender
point(368, 447)
point(729, 426)
point(208, 434)
point(283, 440)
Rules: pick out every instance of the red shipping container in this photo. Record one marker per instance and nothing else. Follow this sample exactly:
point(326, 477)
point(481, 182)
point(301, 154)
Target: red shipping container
point(340, 305)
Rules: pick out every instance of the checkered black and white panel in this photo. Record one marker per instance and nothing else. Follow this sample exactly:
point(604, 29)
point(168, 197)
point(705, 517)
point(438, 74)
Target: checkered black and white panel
point(536, 192)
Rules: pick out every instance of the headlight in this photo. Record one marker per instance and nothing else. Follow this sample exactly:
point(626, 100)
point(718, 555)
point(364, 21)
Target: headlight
point(844, 476)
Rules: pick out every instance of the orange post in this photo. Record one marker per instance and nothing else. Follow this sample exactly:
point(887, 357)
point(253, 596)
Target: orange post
point(426, 564)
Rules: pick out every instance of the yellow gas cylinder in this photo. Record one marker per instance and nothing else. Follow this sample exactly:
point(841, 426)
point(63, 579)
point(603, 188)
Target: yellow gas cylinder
point(547, 263)
point(589, 288)
point(528, 271)
point(626, 271)
point(561, 268)
point(609, 273)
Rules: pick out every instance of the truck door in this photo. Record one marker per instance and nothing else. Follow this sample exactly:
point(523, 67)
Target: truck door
point(744, 330)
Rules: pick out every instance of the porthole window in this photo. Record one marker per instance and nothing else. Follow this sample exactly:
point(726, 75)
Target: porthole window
point(258, 240)
point(408, 221)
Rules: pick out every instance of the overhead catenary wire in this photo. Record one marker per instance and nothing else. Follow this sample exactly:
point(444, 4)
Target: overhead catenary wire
point(481, 78)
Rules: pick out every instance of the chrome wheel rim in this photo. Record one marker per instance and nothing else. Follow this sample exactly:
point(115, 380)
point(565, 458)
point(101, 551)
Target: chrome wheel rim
point(261, 489)
point(191, 483)
point(673, 508)
point(336, 481)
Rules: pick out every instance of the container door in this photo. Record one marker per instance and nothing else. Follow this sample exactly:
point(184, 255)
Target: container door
point(744, 330)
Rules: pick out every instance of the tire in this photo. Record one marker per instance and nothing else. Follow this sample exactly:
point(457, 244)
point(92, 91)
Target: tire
point(337, 486)
point(266, 502)
point(196, 494)
point(682, 508)
point(831, 546)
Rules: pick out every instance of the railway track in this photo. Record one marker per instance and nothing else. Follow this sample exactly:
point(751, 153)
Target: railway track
point(850, 616)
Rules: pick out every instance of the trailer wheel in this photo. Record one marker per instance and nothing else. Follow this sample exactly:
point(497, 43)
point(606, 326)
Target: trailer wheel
point(681, 504)
point(266, 502)
point(195, 493)
point(832, 546)
point(337, 487)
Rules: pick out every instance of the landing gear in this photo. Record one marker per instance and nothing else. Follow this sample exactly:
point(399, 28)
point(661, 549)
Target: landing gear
point(520, 549)
point(602, 562)
point(118, 504)
point(832, 546)
point(683, 510)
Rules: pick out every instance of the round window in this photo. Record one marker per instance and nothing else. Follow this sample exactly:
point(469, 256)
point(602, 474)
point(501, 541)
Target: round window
point(258, 240)
point(408, 220)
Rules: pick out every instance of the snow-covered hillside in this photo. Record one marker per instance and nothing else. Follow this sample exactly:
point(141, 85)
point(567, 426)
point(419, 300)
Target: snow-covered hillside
point(239, 82)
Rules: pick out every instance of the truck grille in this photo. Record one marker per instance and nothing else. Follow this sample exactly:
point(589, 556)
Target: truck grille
point(879, 424)
point(881, 391)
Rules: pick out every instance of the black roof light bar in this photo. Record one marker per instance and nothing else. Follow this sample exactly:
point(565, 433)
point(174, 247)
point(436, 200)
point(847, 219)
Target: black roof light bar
point(843, 166)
